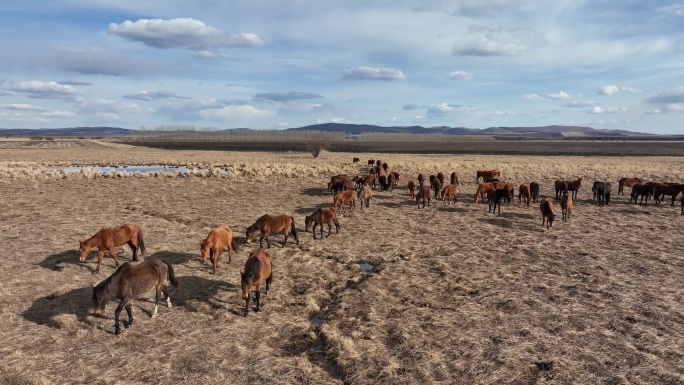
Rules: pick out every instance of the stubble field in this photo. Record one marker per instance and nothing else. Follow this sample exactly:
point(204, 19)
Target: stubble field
point(455, 294)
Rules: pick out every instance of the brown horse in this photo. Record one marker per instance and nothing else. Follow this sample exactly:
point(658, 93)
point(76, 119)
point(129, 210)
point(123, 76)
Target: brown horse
point(482, 188)
point(129, 281)
point(421, 180)
point(437, 186)
point(566, 206)
point(411, 187)
point(364, 196)
point(546, 207)
point(110, 237)
point(626, 182)
point(524, 192)
point(270, 224)
point(448, 192)
point(574, 186)
point(424, 195)
point(534, 191)
point(257, 271)
point(212, 246)
point(322, 216)
point(395, 180)
point(370, 181)
point(487, 174)
point(343, 198)
point(561, 187)
point(355, 160)
point(641, 190)
point(454, 178)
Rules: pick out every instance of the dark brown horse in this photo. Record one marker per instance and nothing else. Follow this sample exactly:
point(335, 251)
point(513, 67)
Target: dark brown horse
point(546, 207)
point(524, 192)
point(270, 224)
point(257, 271)
point(574, 186)
point(454, 178)
point(626, 182)
point(411, 187)
point(421, 180)
point(487, 174)
point(423, 195)
point(322, 216)
point(129, 281)
point(355, 160)
point(212, 246)
point(437, 187)
point(110, 237)
point(534, 191)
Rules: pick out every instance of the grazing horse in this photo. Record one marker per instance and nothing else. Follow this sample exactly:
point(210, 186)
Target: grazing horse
point(626, 182)
point(487, 174)
point(448, 192)
point(391, 182)
point(641, 190)
point(524, 192)
point(546, 207)
point(268, 224)
point(110, 237)
point(129, 281)
point(440, 176)
point(343, 198)
point(424, 195)
point(396, 178)
point(258, 269)
point(370, 181)
point(421, 180)
point(355, 160)
point(371, 162)
point(482, 188)
point(378, 163)
point(322, 216)
point(662, 189)
point(454, 178)
point(561, 187)
point(411, 187)
point(534, 191)
point(436, 187)
point(566, 206)
point(212, 246)
point(495, 196)
point(359, 181)
point(364, 196)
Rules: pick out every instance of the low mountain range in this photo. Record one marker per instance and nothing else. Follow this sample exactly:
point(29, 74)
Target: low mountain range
point(357, 130)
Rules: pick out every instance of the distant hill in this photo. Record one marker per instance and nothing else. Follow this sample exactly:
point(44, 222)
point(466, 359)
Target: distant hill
point(502, 133)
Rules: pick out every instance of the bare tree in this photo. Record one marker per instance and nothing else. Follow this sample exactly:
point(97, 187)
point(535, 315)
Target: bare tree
point(316, 142)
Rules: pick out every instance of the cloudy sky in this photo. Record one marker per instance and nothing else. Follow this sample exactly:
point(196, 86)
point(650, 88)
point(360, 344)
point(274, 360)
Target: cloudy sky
point(289, 63)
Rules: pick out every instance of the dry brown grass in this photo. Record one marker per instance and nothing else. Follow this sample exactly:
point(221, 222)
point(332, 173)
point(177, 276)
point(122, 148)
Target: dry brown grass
point(456, 296)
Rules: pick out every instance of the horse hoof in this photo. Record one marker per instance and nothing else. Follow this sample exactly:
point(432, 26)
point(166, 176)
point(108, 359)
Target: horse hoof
point(117, 331)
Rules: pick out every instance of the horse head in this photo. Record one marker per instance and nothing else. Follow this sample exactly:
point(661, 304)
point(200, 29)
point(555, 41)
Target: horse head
point(307, 223)
point(99, 299)
point(204, 248)
point(85, 250)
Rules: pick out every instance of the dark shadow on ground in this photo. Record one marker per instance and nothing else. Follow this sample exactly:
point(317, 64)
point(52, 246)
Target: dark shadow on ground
point(311, 210)
point(315, 191)
point(452, 209)
point(497, 221)
point(57, 261)
point(44, 310)
point(193, 289)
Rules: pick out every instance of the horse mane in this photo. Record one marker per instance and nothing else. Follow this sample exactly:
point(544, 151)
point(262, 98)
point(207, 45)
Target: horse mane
point(253, 268)
point(104, 284)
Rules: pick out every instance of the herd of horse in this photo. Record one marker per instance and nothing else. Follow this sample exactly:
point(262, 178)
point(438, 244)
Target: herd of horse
point(131, 280)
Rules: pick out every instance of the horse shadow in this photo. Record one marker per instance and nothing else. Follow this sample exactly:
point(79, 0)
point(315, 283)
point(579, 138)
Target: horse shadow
point(57, 261)
point(519, 215)
point(497, 221)
point(44, 310)
point(310, 210)
point(193, 289)
point(393, 205)
point(452, 209)
point(315, 191)
point(175, 258)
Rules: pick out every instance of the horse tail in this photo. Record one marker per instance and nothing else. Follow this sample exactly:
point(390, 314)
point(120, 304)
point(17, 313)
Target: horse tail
point(172, 277)
point(234, 246)
point(292, 227)
point(141, 242)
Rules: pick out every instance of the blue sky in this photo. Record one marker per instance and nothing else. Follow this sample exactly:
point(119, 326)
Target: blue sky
point(277, 64)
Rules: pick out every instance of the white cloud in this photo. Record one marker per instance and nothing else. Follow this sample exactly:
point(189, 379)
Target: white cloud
point(532, 98)
point(46, 90)
point(608, 90)
point(559, 96)
point(303, 108)
point(672, 10)
point(333, 120)
point(208, 55)
point(675, 95)
point(601, 110)
point(59, 114)
point(286, 96)
point(631, 90)
point(503, 113)
point(446, 108)
point(653, 112)
point(144, 95)
point(229, 113)
point(75, 82)
point(107, 115)
point(20, 106)
point(579, 104)
point(414, 106)
point(98, 61)
point(180, 33)
point(370, 73)
point(499, 41)
point(460, 75)
point(674, 107)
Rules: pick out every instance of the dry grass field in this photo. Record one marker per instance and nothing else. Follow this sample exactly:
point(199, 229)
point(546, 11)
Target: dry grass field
point(455, 295)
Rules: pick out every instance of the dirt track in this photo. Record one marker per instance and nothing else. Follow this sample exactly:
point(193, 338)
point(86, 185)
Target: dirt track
point(456, 295)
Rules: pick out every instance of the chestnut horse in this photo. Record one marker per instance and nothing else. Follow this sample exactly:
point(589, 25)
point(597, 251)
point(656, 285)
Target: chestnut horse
point(257, 271)
point(364, 196)
point(448, 192)
point(546, 207)
point(343, 198)
point(574, 186)
point(322, 216)
point(482, 188)
point(487, 174)
point(411, 187)
point(424, 195)
point(524, 192)
point(212, 246)
point(626, 182)
point(566, 206)
point(454, 178)
point(269, 224)
point(129, 281)
point(110, 237)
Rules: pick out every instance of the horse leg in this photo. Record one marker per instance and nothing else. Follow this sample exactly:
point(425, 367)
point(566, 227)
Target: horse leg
point(134, 248)
point(100, 257)
point(157, 294)
point(268, 283)
point(113, 253)
point(117, 312)
point(247, 302)
point(258, 296)
point(130, 317)
point(216, 258)
point(321, 229)
point(166, 295)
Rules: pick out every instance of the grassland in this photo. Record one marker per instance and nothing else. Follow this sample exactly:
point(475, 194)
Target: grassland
point(456, 295)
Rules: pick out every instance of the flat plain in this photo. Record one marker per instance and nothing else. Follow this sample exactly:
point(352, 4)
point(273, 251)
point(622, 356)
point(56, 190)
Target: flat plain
point(454, 294)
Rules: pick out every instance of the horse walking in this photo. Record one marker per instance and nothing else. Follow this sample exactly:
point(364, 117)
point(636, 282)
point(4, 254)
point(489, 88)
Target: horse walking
point(322, 216)
point(110, 237)
point(129, 281)
point(212, 246)
point(257, 271)
point(546, 207)
point(267, 224)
